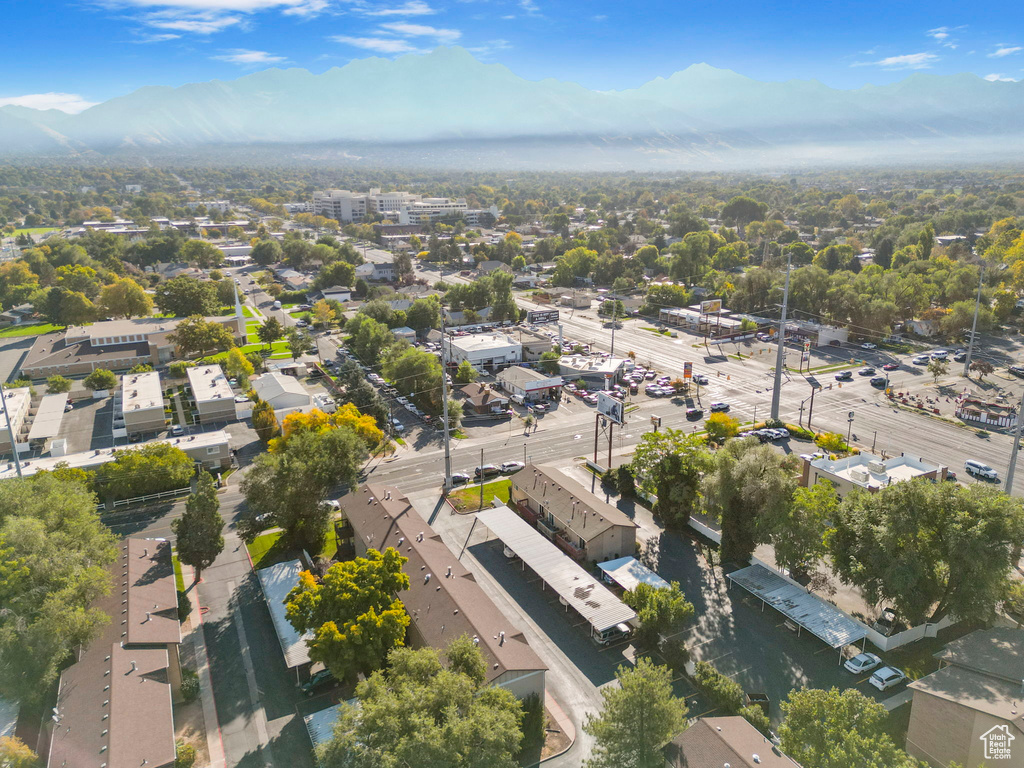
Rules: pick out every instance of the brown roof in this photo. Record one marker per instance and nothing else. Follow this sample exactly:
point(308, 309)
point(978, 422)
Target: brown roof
point(443, 599)
point(52, 349)
point(114, 702)
point(575, 508)
point(996, 652)
point(712, 742)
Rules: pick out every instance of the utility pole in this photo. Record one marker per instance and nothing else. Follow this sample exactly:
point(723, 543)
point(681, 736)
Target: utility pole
point(1016, 446)
point(444, 407)
point(780, 355)
point(615, 315)
point(10, 431)
point(974, 325)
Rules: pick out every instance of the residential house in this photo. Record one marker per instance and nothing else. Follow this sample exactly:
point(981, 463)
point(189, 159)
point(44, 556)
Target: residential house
point(375, 271)
point(484, 400)
point(491, 266)
point(16, 315)
point(215, 401)
point(284, 393)
point(578, 522)
point(404, 333)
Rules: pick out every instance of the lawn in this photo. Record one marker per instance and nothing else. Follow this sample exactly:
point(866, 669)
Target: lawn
point(248, 311)
point(267, 549)
point(468, 499)
point(35, 329)
point(33, 231)
point(179, 580)
point(279, 351)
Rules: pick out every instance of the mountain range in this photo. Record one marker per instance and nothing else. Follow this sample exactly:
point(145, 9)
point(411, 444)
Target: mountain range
point(447, 98)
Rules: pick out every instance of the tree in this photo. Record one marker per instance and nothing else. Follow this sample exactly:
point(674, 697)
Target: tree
point(662, 612)
point(266, 252)
point(63, 307)
point(270, 331)
point(369, 338)
point(179, 369)
point(424, 314)
point(237, 366)
point(720, 427)
point(833, 729)
point(140, 368)
point(353, 613)
point(299, 342)
point(549, 362)
point(417, 712)
point(202, 254)
point(798, 535)
point(466, 373)
point(937, 368)
point(194, 335)
point(930, 549)
point(200, 531)
point(983, 367)
point(746, 483)
point(57, 384)
point(669, 464)
point(339, 273)
point(323, 314)
point(416, 373)
point(14, 753)
point(150, 468)
point(638, 718)
point(743, 210)
point(125, 298)
point(100, 379)
point(264, 421)
point(54, 553)
point(185, 296)
point(289, 485)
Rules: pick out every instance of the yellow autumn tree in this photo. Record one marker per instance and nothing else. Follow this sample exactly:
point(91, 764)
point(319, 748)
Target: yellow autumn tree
point(364, 426)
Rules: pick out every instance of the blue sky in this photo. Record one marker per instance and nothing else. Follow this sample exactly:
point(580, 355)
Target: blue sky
point(70, 54)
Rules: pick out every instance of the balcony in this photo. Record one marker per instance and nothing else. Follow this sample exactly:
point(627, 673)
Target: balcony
point(547, 530)
point(526, 513)
point(563, 543)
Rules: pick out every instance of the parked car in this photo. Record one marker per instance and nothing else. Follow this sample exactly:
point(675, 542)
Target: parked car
point(459, 478)
point(862, 662)
point(241, 399)
point(844, 376)
point(540, 407)
point(590, 399)
point(978, 469)
point(781, 433)
point(701, 379)
point(891, 367)
point(650, 375)
point(719, 407)
point(812, 456)
point(321, 680)
point(487, 470)
point(887, 677)
point(959, 357)
point(1016, 370)
point(511, 467)
point(176, 430)
point(868, 345)
point(939, 354)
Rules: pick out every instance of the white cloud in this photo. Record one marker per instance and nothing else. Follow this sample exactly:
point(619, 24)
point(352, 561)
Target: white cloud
point(206, 17)
point(944, 35)
point(406, 29)
point(376, 44)
point(219, 6)
point(1005, 50)
point(999, 78)
point(247, 57)
point(529, 6)
point(411, 8)
point(601, 17)
point(906, 61)
point(195, 23)
point(157, 38)
point(71, 103)
point(491, 46)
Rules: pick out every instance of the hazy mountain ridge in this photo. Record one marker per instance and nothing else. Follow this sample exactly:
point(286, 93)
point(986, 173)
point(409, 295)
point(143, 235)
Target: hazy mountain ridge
point(448, 95)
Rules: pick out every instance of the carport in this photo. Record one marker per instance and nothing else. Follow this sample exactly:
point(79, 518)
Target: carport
point(801, 608)
point(628, 573)
point(575, 587)
point(276, 582)
point(46, 424)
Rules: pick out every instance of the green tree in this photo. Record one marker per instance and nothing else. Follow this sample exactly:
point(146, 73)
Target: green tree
point(353, 612)
point(179, 369)
point(339, 273)
point(289, 485)
point(669, 463)
point(930, 549)
point(237, 366)
point(264, 421)
point(745, 484)
point(720, 427)
point(938, 368)
point(63, 307)
point(266, 252)
point(200, 531)
point(743, 210)
point(424, 314)
point(466, 373)
point(416, 373)
point(202, 254)
point(54, 553)
point(983, 368)
point(141, 471)
point(638, 718)
point(369, 339)
point(57, 384)
point(833, 729)
point(799, 534)
point(270, 331)
point(662, 612)
point(549, 362)
point(195, 335)
point(185, 296)
point(100, 379)
point(125, 298)
point(418, 712)
point(299, 342)
point(141, 368)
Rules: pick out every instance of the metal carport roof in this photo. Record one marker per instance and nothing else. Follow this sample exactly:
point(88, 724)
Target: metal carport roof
point(49, 417)
point(577, 588)
point(821, 619)
point(628, 572)
point(277, 581)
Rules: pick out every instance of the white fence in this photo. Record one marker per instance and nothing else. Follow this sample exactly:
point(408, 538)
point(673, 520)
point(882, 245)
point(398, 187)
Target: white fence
point(911, 635)
point(151, 497)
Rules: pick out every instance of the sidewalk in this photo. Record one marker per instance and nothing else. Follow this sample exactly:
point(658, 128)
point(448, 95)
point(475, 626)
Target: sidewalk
point(563, 720)
point(214, 743)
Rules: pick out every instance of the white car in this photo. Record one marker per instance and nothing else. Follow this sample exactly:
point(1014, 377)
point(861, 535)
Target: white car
point(868, 345)
point(939, 354)
point(862, 662)
point(510, 467)
point(921, 360)
point(887, 677)
point(978, 469)
point(701, 379)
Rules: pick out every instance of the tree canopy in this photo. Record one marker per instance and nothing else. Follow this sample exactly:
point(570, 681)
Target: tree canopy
point(200, 531)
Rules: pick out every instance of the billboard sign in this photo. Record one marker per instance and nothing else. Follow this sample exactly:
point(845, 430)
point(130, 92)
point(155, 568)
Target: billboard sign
point(711, 306)
point(542, 316)
point(610, 408)
point(687, 370)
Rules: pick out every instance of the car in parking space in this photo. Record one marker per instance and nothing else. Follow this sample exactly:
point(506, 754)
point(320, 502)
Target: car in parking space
point(694, 413)
point(241, 399)
point(764, 435)
point(844, 376)
point(891, 367)
point(634, 388)
point(398, 426)
point(590, 399)
point(939, 354)
point(763, 337)
point(663, 379)
point(1016, 370)
point(511, 467)
point(318, 682)
point(921, 360)
point(887, 677)
point(878, 381)
point(978, 469)
point(650, 375)
point(812, 456)
point(862, 662)
point(487, 470)
point(176, 430)
point(869, 371)
point(719, 407)
point(781, 433)
point(459, 478)
point(868, 345)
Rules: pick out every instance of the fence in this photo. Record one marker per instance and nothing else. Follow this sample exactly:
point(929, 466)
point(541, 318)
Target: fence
point(144, 499)
point(911, 635)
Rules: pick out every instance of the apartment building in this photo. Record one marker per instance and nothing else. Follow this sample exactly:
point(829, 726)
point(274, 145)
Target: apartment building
point(18, 403)
point(215, 401)
point(142, 403)
point(574, 519)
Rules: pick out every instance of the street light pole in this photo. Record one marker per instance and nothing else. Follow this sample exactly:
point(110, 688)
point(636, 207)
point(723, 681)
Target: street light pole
point(780, 355)
point(10, 431)
point(444, 408)
point(849, 432)
point(974, 325)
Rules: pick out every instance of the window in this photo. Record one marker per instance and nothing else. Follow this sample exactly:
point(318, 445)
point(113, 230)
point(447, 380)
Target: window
point(212, 449)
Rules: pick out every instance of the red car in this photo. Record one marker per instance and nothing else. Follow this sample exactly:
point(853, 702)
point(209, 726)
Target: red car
point(891, 367)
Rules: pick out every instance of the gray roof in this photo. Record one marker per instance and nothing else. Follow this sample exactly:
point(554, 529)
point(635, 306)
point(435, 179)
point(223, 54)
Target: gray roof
point(716, 741)
point(577, 588)
point(49, 417)
point(277, 581)
point(996, 652)
point(517, 374)
point(821, 619)
point(320, 725)
point(628, 572)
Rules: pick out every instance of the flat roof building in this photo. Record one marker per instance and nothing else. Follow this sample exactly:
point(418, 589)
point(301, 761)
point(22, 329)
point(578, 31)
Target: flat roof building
point(593, 370)
point(215, 401)
point(142, 402)
point(529, 384)
point(18, 403)
point(868, 472)
point(484, 351)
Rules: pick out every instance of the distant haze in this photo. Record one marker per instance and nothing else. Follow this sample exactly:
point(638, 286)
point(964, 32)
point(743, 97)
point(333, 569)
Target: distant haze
point(448, 109)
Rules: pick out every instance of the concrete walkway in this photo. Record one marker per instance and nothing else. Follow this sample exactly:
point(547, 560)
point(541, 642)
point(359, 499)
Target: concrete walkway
point(901, 698)
point(214, 744)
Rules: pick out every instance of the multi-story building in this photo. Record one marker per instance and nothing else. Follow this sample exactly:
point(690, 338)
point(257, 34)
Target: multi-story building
point(574, 519)
point(484, 351)
point(221, 206)
point(399, 207)
point(142, 403)
point(18, 402)
point(530, 385)
point(867, 472)
point(340, 204)
point(214, 398)
point(730, 741)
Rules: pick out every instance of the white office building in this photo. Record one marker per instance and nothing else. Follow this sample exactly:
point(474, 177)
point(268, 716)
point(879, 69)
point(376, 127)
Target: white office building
point(484, 351)
point(401, 207)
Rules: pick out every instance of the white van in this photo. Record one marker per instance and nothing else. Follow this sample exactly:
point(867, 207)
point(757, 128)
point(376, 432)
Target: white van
point(277, 305)
point(518, 399)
